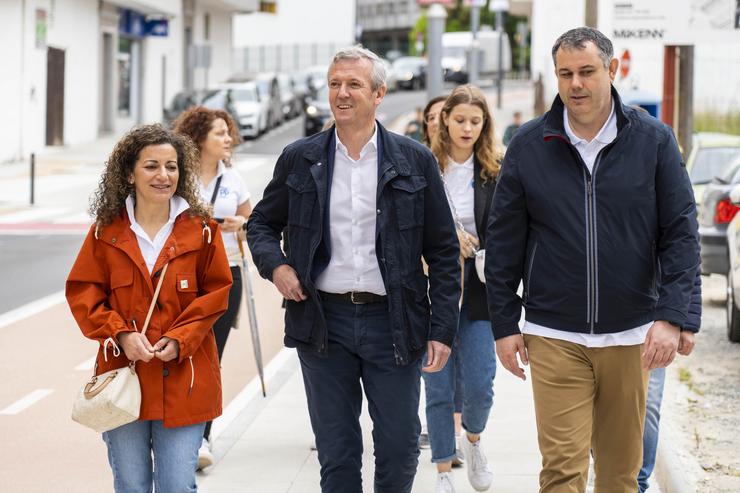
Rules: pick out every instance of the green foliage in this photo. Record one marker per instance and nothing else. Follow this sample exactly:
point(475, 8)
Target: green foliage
point(714, 121)
point(419, 27)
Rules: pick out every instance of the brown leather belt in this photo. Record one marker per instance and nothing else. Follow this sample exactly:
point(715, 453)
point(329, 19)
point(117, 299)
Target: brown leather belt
point(355, 297)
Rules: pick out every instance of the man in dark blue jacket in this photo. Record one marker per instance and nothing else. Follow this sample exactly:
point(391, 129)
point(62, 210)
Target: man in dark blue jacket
point(357, 208)
point(594, 212)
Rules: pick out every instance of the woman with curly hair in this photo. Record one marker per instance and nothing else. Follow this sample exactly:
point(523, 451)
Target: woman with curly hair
point(151, 224)
point(469, 162)
point(215, 134)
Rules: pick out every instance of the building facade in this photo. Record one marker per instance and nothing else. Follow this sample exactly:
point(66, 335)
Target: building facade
point(81, 68)
point(384, 25)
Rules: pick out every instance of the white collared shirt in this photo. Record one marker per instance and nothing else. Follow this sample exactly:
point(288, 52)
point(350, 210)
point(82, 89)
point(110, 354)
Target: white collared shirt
point(232, 192)
point(460, 184)
point(629, 337)
point(150, 249)
point(352, 222)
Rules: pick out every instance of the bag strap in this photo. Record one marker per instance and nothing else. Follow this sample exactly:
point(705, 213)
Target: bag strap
point(215, 189)
point(458, 222)
point(154, 299)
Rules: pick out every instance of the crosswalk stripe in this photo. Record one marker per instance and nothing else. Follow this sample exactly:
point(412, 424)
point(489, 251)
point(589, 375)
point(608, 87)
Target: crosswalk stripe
point(26, 402)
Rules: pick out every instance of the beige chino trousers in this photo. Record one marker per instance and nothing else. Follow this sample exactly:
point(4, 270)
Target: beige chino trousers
point(588, 399)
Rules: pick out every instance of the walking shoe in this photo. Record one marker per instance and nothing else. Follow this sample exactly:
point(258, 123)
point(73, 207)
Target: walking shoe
point(205, 457)
point(479, 474)
point(445, 483)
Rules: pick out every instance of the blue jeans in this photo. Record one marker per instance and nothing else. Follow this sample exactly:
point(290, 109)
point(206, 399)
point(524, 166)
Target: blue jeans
point(361, 356)
point(474, 354)
point(175, 450)
point(652, 425)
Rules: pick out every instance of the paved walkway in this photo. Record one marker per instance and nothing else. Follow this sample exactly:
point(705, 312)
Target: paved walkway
point(268, 449)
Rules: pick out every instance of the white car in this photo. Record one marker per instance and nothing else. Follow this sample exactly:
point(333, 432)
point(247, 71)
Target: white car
point(246, 107)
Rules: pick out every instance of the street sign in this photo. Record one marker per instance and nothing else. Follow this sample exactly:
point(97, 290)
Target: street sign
point(156, 27)
point(624, 64)
point(498, 6)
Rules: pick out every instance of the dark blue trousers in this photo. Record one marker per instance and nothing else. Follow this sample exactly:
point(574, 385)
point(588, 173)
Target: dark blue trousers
point(360, 355)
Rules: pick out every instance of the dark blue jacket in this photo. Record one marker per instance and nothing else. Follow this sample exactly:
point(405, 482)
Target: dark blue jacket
point(413, 220)
point(598, 253)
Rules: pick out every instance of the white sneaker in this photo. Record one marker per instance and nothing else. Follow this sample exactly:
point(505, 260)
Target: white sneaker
point(445, 483)
point(479, 474)
point(205, 457)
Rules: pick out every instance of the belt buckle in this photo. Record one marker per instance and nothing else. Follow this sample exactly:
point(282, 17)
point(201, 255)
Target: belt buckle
point(352, 298)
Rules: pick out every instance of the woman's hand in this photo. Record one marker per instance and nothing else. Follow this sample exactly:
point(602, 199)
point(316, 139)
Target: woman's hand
point(468, 244)
point(136, 346)
point(167, 349)
point(233, 224)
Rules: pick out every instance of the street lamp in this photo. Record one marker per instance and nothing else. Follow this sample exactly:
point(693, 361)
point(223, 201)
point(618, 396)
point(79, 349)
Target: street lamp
point(499, 6)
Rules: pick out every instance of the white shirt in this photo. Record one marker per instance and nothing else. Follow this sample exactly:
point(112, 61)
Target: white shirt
point(352, 218)
point(459, 181)
point(232, 192)
point(589, 151)
point(150, 249)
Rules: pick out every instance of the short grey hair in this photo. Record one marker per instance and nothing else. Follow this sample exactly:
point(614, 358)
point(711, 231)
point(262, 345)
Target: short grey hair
point(358, 52)
point(578, 37)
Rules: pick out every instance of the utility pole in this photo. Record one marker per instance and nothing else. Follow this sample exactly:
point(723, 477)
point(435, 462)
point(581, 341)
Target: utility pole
point(473, 68)
point(499, 7)
point(685, 124)
point(592, 13)
point(436, 16)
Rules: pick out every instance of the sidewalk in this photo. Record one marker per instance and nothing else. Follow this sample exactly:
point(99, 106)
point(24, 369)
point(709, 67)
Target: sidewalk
point(267, 448)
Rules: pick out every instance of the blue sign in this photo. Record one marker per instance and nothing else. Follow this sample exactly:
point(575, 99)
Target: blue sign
point(157, 27)
point(131, 23)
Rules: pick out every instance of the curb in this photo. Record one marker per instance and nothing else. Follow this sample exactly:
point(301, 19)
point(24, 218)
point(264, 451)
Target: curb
point(670, 471)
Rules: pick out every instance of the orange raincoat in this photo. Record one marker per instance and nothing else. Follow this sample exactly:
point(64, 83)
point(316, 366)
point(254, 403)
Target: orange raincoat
point(109, 291)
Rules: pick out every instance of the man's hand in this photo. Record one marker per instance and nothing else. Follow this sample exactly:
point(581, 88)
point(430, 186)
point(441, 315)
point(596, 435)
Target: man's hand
point(661, 344)
point(507, 348)
point(286, 281)
point(437, 355)
point(136, 346)
point(686, 343)
point(166, 349)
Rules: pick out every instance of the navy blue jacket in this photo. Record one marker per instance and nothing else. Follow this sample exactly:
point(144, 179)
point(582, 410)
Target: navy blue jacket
point(413, 220)
point(599, 252)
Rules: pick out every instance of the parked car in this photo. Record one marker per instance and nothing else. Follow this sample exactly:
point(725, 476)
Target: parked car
point(716, 212)
point(390, 76)
point(242, 101)
point(410, 72)
point(292, 104)
point(709, 157)
point(180, 102)
point(269, 91)
point(733, 271)
point(317, 112)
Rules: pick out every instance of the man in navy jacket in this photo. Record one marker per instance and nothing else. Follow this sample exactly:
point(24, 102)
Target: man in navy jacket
point(594, 212)
point(358, 207)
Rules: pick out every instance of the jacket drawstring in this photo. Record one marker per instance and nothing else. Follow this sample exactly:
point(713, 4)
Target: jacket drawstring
point(208, 230)
point(97, 230)
point(116, 349)
point(192, 375)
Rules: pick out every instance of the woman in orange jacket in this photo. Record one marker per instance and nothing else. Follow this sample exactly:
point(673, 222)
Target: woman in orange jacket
point(147, 214)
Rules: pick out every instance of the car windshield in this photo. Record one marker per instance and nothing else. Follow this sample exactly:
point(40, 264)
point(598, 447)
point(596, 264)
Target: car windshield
point(711, 162)
point(243, 95)
point(215, 100)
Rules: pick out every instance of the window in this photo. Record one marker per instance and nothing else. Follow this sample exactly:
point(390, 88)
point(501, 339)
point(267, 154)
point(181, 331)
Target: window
point(207, 26)
point(268, 7)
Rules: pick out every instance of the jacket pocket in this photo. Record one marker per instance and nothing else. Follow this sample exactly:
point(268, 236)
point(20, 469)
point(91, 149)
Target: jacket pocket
point(530, 269)
point(299, 319)
point(302, 199)
point(409, 200)
point(121, 283)
point(416, 309)
point(187, 288)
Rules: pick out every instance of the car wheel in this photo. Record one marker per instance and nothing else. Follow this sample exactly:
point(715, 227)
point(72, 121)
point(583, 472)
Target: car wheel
point(417, 84)
point(733, 313)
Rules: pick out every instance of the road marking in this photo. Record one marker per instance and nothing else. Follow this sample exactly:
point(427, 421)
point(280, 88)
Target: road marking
point(26, 402)
point(31, 309)
point(86, 365)
point(253, 390)
point(34, 214)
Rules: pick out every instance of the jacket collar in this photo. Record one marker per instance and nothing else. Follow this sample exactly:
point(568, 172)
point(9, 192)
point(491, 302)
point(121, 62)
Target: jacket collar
point(555, 128)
